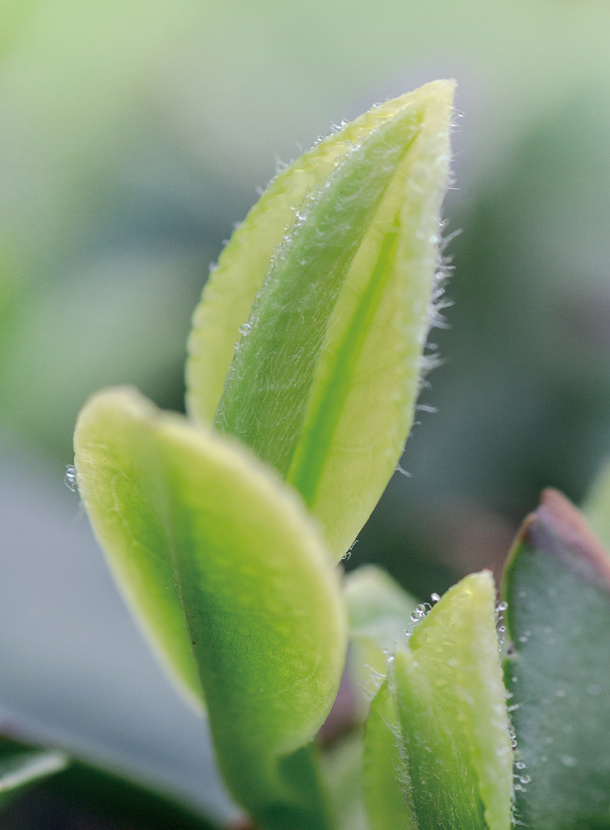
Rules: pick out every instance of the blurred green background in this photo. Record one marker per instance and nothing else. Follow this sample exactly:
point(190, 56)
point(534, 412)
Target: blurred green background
point(134, 135)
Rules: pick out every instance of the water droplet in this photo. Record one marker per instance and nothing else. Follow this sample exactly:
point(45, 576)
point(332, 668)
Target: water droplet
point(560, 693)
point(520, 765)
point(525, 779)
point(435, 597)
point(501, 629)
point(548, 740)
point(523, 639)
point(70, 479)
point(544, 758)
point(419, 613)
point(502, 606)
point(522, 594)
point(568, 761)
point(244, 329)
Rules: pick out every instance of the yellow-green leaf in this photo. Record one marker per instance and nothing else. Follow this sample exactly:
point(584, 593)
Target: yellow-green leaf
point(324, 379)
point(228, 574)
point(383, 768)
point(450, 701)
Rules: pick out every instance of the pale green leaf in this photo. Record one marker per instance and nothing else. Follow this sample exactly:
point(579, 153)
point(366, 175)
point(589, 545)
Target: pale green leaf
point(387, 807)
point(379, 613)
point(194, 518)
point(323, 382)
point(450, 701)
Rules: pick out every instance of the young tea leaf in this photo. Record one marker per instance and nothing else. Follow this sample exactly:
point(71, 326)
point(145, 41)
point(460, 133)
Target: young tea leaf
point(383, 768)
point(379, 613)
point(557, 586)
point(450, 702)
point(330, 353)
point(190, 515)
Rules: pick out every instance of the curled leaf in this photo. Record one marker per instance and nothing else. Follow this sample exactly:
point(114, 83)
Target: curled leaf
point(323, 382)
point(451, 708)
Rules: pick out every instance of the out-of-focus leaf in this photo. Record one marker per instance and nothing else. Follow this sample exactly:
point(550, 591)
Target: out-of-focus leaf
point(342, 771)
point(450, 701)
point(222, 564)
point(597, 505)
point(330, 352)
point(379, 609)
point(22, 767)
point(106, 793)
point(383, 767)
point(379, 612)
point(558, 590)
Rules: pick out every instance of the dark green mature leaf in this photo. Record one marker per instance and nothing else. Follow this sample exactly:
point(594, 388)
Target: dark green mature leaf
point(330, 353)
point(238, 569)
point(451, 708)
point(78, 784)
point(22, 767)
point(557, 585)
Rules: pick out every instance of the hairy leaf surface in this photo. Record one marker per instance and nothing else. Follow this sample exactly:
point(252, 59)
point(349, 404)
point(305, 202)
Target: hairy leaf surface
point(324, 378)
point(385, 786)
point(451, 708)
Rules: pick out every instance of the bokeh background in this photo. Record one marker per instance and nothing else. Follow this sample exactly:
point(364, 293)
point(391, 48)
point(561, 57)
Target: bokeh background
point(134, 135)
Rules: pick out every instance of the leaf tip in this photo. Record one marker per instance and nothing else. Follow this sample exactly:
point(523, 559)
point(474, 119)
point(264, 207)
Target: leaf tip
point(559, 529)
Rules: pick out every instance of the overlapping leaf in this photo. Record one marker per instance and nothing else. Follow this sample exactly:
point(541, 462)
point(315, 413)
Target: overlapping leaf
point(450, 704)
point(323, 382)
point(229, 578)
point(379, 612)
point(558, 589)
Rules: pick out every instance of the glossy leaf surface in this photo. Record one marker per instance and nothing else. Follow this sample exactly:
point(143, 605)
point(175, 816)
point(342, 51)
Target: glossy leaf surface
point(558, 589)
point(450, 702)
point(193, 517)
point(324, 379)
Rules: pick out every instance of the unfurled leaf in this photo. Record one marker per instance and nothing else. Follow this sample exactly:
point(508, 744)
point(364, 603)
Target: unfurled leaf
point(451, 709)
point(230, 579)
point(333, 322)
point(558, 590)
